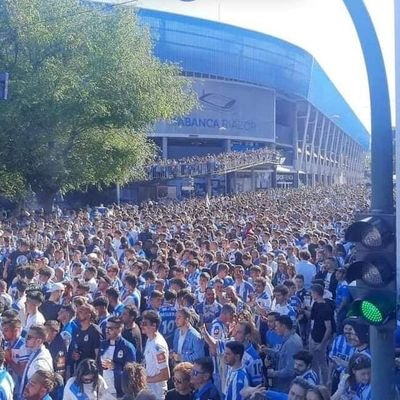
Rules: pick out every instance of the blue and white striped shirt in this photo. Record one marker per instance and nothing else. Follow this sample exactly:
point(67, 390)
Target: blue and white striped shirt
point(311, 377)
point(341, 349)
point(236, 380)
point(6, 385)
point(243, 290)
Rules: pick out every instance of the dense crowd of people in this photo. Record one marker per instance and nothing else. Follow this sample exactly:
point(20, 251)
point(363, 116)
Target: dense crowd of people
point(226, 299)
point(209, 164)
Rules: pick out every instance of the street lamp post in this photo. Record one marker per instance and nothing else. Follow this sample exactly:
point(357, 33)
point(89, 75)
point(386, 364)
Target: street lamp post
point(382, 337)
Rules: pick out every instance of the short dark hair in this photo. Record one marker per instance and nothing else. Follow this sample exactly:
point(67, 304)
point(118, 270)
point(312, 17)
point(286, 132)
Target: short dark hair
point(156, 294)
point(113, 293)
point(132, 311)
point(206, 364)
point(288, 283)
point(100, 301)
point(35, 295)
point(153, 317)
point(281, 289)
point(228, 308)
point(303, 355)
point(235, 347)
point(170, 295)
point(285, 320)
point(69, 308)
point(317, 288)
point(301, 382)
point(131, 280)
point(40, 331)
point(116, 320)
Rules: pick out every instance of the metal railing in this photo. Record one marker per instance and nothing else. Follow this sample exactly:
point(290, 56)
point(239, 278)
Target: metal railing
point(210, 165)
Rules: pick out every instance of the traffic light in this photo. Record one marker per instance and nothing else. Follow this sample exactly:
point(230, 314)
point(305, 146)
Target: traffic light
point(374, 269)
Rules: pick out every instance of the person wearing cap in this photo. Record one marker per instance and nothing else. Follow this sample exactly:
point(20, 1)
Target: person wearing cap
point(34, 300)
point(52, 306)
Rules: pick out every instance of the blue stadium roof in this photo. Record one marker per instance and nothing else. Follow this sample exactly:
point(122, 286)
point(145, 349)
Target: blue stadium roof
point(214, 48)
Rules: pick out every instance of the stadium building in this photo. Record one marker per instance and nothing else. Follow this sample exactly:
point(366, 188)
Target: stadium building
point(254, 91)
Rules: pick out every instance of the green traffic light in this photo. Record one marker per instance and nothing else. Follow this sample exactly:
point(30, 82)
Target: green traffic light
point(371, 312)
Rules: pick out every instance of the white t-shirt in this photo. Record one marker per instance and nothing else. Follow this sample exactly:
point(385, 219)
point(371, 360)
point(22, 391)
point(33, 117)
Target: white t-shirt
point(108, 374)
point(156, 355)
point(34, 319)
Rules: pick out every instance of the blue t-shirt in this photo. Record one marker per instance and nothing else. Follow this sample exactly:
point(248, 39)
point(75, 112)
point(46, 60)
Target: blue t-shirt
point(342, 292)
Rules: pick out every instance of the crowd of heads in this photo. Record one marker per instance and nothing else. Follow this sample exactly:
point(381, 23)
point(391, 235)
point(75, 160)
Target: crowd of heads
point(237, 271)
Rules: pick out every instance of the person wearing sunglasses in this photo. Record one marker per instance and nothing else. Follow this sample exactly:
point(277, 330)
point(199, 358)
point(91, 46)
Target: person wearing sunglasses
point(181, 378)
point(87, 383)
point(201, 379)
point(115, 352)
point(40, 357)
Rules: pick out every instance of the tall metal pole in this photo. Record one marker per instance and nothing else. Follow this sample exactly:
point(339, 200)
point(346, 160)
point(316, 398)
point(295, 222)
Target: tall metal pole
point(381, 127)
point(397, 70)
point(382, 338)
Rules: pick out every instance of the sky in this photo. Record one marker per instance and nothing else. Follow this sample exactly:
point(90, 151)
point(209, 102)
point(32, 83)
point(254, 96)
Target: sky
point(322, 27)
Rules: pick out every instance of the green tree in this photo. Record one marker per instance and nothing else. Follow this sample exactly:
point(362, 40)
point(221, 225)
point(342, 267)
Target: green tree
point(85, 88)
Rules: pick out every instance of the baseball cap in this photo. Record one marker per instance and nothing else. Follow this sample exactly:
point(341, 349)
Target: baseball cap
point(56, 286)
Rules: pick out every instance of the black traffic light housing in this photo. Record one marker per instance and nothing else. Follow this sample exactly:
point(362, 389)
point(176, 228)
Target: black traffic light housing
point(372, 277)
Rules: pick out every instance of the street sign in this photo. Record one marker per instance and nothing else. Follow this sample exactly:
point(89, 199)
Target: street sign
point(3, 86)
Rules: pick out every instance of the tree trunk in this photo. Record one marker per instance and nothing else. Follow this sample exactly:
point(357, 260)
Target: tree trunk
point(45, 200)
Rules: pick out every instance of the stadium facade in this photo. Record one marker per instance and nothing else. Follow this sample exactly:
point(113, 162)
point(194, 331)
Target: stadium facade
point(254, 91)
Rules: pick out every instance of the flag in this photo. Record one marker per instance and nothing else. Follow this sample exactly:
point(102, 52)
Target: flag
point(207, 201)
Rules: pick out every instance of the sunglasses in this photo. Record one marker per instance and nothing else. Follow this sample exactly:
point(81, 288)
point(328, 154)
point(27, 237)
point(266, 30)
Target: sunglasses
point(178, 381)
point(29, 337)
point(196, 373)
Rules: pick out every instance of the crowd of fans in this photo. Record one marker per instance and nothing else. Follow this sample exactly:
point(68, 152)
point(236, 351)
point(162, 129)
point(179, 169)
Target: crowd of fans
point(231, 298)
point(209, 164)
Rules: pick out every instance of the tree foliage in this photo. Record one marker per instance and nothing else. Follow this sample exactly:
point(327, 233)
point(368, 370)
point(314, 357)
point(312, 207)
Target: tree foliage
point(84, 90)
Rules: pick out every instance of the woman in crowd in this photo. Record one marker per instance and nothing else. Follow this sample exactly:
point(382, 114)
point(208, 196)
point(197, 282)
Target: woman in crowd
point(86, 384)
point(134, 380)
point(356, 385)
point(181, 377)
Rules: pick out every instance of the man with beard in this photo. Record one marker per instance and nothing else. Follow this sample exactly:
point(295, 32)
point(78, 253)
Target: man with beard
point(86, 342)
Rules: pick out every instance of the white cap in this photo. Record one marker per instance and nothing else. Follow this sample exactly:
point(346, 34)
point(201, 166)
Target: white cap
point(56, 286)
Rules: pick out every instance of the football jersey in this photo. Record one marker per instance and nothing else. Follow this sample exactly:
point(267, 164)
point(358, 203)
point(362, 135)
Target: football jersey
point(156, 356)
point(168, 325)
point(236, 380)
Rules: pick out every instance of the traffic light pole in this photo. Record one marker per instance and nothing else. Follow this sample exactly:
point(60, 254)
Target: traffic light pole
point(382, 338)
